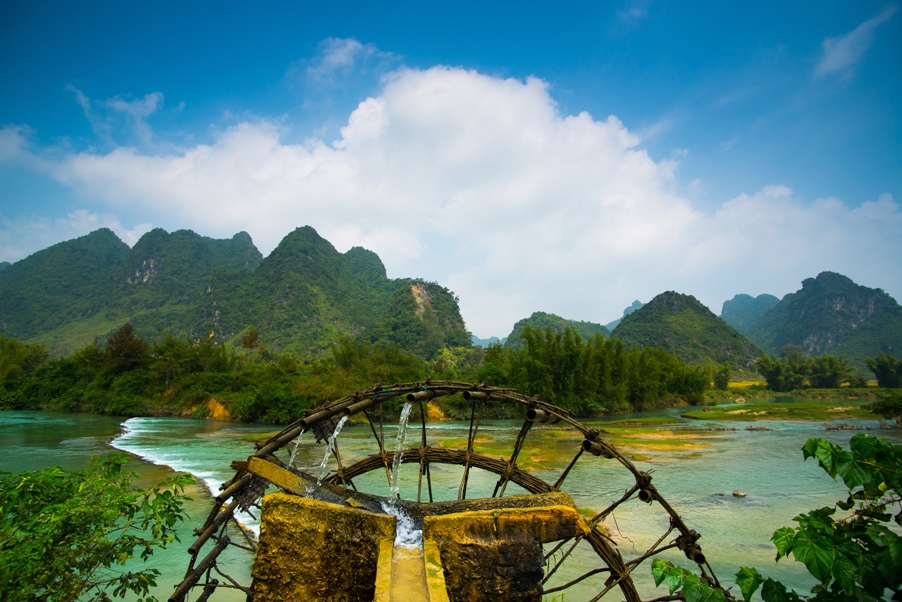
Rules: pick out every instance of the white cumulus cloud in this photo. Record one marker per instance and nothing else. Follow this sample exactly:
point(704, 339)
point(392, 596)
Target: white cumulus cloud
point(482, 184)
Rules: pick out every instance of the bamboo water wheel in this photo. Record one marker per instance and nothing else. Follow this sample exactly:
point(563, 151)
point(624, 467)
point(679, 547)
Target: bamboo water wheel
point(610, 572)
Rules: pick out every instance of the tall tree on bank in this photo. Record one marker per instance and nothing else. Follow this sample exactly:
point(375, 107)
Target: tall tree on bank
point(887, 369)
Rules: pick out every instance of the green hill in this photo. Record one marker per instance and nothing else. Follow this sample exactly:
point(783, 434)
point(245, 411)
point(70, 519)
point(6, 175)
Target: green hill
point(539, 320)
point(683, 326)
point(831, 314)
point(61, 285)
point(744, 311)
point(422, 318)
point(302, 297)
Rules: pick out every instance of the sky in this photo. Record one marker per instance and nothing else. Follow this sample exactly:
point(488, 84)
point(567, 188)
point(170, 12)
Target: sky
point(567, 158)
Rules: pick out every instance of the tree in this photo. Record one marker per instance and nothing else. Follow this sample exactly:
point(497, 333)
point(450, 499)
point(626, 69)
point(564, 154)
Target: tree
point(125, 351)
point(68, 534)
point(889, 408)
point(828, 372)
point(722, 377)
point(855, 557)
point(782, 375)
point(887, 369)
point(19, 359)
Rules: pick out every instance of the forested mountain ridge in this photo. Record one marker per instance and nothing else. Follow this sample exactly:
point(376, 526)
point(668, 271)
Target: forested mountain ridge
point(831, 314)
point(167, 281)
point(540, 320)
point(683, 326)
point(61, 285)
point(742, 312)
point(303, 297)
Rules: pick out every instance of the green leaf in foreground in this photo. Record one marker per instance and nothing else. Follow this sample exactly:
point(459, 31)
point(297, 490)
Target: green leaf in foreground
point(748, 580)
point(855, 554)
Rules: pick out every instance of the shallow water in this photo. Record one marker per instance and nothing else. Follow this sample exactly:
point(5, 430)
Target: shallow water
point(697, 481)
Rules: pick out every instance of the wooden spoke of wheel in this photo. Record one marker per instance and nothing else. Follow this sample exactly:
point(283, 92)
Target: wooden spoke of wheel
point(569, 584)
point(424, 464)
point(339, 473)
point(471, 438)
point(380, 440)
point(512, 463)
point(560, 480)
point(561, 560)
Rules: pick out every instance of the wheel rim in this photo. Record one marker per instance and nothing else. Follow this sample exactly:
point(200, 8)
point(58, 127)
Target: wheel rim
point(244, 490)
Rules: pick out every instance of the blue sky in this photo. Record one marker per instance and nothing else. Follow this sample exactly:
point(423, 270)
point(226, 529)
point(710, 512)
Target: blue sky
point(567, 158)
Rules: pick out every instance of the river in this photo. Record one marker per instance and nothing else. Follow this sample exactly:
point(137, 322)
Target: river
point(697, 476)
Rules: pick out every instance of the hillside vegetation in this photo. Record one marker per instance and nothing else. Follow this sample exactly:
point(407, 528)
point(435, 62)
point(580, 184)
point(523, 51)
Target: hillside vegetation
point(540, 321)
point(303, 297)
point(831, 314)
point(681, 325)
point(744, 311)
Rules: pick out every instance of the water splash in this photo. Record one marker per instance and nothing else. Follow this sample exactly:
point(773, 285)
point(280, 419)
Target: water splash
point(294, 452)
point(407, 533)
point(395, 486)
point(323, 467)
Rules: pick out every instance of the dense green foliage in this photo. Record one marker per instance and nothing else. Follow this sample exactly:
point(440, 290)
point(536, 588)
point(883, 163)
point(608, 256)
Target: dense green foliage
point(832, 314)
point(169, 375)
point(68, 535)
point(791, 373)
point(683, 326)
point(796, 370)
point(422, 318)
point(887, 369)
point(721, 377)
point(540, 321)
point(855, 554)
point(60, 285)
point(744, 311)
point(589, 376)
point(888, 408)
point(302, 298)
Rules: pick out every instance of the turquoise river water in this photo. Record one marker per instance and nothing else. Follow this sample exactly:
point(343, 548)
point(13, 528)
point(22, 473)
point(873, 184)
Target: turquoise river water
point(697, 478)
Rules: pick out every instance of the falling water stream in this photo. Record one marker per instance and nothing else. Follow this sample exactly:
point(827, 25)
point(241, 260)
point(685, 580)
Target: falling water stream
point(395, 486)
point(330, 448)
point(294, 451)
point(408, 576)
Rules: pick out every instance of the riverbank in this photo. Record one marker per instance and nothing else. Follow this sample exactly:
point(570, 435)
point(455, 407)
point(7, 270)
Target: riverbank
point(788, 408)
point(742, 391)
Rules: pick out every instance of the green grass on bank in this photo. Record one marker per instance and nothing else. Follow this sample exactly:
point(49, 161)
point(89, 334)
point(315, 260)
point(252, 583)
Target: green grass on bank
point(812, 410)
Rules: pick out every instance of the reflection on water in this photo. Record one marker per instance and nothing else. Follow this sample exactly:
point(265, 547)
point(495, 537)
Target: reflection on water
point(697, 478)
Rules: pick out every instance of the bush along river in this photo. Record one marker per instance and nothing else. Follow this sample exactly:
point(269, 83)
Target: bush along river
point(735, 482)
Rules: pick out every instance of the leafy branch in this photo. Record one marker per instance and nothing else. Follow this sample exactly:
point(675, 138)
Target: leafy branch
point(856, 557)
point(68, 535)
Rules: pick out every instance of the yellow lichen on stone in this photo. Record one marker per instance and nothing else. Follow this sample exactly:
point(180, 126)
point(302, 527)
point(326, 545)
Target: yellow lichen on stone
point(312, 550)
point(496, 554)
point(383, 570)
point(435, 574)
point(544, 524)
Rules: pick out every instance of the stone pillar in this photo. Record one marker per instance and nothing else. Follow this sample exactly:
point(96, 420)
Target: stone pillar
point(491, 555)
point(312, 550)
